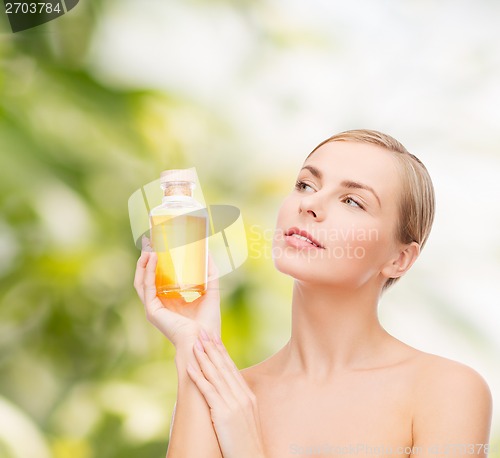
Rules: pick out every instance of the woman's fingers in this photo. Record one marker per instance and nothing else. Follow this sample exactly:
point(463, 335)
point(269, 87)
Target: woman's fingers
point(146, 244)
point(174, 317)
point(141, 267)
point(167, 321)
point(209, 365)
point(206, 388)
point(139, 274)
point(149, 282)
point(218, 371)
point(235, 418)
point(230, 367)
point(151, 302)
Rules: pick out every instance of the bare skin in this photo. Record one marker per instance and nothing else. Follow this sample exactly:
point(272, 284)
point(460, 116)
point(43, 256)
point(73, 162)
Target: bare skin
point(341, 386)
point(342, 380)
point(370, 409)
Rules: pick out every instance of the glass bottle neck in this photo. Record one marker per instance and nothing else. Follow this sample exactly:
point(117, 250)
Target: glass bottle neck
point(176, 189)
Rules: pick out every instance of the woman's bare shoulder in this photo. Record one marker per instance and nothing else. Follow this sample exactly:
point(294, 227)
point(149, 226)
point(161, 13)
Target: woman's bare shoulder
point(429, 366)
point(450, 396)
point(449, 387)
point(424, 366)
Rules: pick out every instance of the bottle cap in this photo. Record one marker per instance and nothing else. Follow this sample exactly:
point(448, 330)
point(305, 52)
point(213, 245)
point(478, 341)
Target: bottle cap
point(178, 175)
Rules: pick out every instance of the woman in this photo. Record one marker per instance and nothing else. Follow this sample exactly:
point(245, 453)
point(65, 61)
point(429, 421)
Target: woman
point(356, 221)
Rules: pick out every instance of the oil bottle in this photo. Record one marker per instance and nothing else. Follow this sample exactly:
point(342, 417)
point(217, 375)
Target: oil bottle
point(179, 236)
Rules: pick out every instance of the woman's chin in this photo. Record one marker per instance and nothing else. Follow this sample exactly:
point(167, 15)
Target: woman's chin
point(316, 271)
point(296, 267)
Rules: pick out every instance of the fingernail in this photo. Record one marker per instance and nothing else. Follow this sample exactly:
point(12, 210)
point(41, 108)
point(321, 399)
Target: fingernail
point(217, 339)
point(198, 345)
point(204, 334)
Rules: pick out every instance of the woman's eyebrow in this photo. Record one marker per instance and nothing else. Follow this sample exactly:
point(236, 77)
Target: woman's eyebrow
point(313, 170)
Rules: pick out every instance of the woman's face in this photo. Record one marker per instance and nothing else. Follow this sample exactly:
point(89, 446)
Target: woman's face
point(346, 199)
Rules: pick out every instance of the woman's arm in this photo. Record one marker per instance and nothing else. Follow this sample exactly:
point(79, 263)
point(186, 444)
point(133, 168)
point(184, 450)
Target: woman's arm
point(233, 405)
point(192, 434)
point(452, 414)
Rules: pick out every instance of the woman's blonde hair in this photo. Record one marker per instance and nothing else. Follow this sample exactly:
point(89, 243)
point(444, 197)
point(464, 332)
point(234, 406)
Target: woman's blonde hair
point(417, 200)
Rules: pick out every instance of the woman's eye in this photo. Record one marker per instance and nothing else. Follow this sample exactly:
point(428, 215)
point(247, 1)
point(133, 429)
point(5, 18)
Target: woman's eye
point(301, 186)
point(355, 202)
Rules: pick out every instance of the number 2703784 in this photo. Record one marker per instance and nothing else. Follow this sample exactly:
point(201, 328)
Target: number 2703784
point(32, 8)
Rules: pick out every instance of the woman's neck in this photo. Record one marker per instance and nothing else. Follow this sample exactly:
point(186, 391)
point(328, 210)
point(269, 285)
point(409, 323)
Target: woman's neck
point(332, 330)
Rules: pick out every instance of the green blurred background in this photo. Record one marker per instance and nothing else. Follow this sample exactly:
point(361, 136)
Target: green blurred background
point(96, 103)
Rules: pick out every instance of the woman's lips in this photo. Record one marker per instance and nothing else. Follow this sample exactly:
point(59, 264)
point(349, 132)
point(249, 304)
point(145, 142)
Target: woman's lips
point(294, 235)
point(299, 243)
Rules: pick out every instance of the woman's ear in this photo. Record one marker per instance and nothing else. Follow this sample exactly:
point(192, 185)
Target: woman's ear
point(399, 265)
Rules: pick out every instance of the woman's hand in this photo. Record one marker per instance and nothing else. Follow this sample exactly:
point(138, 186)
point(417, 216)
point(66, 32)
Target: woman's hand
point(233, 405)
point(178, 320)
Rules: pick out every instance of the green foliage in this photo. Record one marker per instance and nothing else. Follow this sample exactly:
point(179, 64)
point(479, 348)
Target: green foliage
point(72, 331)
point(83, 375)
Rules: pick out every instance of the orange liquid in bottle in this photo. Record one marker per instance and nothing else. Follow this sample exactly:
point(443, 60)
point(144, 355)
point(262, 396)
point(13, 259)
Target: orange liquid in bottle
point(181, 244)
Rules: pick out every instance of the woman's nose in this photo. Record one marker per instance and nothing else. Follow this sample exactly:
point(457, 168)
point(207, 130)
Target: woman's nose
point(311, 205)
